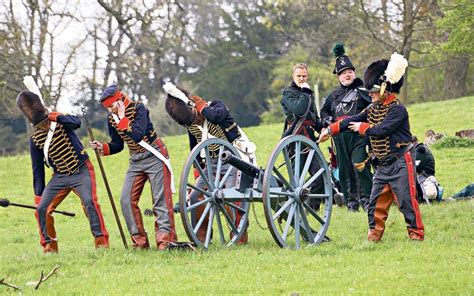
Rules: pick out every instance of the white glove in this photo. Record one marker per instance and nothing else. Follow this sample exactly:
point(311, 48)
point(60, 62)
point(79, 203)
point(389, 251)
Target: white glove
point(175, 92)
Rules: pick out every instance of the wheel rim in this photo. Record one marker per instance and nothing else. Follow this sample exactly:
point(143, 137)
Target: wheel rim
point(217, 212)
point(289, 197)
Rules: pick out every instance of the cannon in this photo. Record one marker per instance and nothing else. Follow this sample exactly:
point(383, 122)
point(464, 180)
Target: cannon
point(284, 187)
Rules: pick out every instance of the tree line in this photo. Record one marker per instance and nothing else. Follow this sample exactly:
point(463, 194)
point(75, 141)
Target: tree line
point(240, 52)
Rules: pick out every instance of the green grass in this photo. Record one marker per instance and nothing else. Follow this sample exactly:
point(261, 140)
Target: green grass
point(442, 264)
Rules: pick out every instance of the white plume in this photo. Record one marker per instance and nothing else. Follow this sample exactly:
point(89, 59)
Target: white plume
point(30, 84)
point(396, 68)
point(175, 92)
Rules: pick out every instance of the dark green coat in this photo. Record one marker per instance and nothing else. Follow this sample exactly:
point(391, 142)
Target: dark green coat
point(295, 102)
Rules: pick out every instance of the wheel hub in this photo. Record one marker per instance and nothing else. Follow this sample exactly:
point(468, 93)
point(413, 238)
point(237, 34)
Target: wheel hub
point(302, 194)
point(217, 195)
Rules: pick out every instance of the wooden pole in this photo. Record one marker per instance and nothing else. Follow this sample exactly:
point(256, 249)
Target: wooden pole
point(102, 170)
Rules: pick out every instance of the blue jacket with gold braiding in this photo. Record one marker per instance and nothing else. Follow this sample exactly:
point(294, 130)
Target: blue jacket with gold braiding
point(221, 124)
point(386, 124)
point(66, 153)
point(133, 128)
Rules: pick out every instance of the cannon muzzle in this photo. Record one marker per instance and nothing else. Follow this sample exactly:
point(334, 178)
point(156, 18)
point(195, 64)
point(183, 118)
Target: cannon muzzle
point(245, 167)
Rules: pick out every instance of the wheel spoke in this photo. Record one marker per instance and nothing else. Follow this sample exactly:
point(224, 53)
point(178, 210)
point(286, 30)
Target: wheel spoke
point(229, 219)
point(282, 179)
point(209, 228)
point(313, 177)
point(219, 226)
point(226, 175)
point(206, 193)
point(203, 217)
point(313, 213)
point(289, 167)
point(288, 221)
point(203, 175)
point(235, 207)
point(280, 193)
point(309, 159)
point(297, 161)
point(209, 165)
point(283, 207)
point(297, 226)
point(308, 230)
point(195, 205)
point(219, 166)
point(318, 196)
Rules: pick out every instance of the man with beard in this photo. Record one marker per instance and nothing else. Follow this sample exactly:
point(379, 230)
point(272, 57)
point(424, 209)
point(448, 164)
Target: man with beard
point(350, 148)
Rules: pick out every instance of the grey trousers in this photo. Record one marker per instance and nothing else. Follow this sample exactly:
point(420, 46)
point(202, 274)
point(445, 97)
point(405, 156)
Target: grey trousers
point(142, 167)
point(83, 183)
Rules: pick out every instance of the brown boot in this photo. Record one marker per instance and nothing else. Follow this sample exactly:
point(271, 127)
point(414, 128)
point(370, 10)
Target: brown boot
point(374, 235)
point(243, 240)
point(416, 234)
point(101, 242)
point(140, 241)
point(51, 247)
point(162, 240)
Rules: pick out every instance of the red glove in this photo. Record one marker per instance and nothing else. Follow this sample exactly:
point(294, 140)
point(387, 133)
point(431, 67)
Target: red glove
point(199, 103)
point(196, 173)
point(37, 199)
point(52, 116)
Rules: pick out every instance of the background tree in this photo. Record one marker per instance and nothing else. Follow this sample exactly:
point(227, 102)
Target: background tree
point(235, 51)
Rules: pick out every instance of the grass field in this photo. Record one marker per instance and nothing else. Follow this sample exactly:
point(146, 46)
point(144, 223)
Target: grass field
point(442, 264)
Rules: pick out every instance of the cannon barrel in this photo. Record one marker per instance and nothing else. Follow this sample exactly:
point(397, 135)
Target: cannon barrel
point(245, 167)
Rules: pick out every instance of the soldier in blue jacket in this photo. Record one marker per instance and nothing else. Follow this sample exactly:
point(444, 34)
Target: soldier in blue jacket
point(220, 124)
point(386, 124)
point(129, 122)
point(55, 143)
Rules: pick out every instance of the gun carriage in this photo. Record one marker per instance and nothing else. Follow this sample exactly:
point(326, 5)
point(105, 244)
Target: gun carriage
point(283, 186)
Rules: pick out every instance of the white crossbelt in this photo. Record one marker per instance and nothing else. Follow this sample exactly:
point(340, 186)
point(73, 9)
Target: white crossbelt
point(155, 152)
point(52, 128)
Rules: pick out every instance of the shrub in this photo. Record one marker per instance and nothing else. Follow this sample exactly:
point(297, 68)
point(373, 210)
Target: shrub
point(453, 142)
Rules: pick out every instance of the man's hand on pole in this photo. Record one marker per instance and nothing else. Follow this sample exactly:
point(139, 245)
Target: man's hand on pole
point(96, 145)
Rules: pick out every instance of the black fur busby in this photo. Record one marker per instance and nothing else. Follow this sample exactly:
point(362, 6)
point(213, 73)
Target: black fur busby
point(179, 111)
point(32, 107)
point(343, 62)
point(374, 77)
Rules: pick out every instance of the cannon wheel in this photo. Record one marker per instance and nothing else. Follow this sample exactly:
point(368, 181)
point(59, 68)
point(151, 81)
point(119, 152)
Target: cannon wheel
point(214, 208)
point(287, 196)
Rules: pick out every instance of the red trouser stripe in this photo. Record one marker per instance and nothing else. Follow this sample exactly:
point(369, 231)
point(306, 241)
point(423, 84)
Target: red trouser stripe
point(167, 190)
point(49, 219)
point(411, 183)
point(90, 167)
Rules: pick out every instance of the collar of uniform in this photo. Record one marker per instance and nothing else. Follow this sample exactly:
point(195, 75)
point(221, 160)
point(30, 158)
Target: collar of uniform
point(392, 97)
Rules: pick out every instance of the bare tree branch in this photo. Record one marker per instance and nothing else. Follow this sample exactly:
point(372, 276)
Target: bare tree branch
point(45, 278)
point(2, 282)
